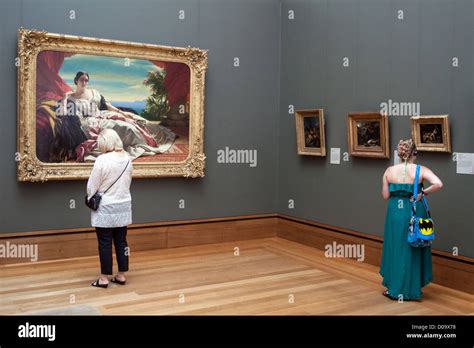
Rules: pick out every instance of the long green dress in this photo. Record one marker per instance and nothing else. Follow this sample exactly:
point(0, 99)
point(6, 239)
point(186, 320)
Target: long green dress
point(405, 269)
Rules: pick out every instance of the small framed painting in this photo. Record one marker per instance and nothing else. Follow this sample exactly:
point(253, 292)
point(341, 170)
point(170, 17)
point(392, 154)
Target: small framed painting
point(368, 135)
point(431, 133)
point(310, 132)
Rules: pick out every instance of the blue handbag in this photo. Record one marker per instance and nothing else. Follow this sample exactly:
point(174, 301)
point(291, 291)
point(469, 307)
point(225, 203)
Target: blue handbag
point(420, 231)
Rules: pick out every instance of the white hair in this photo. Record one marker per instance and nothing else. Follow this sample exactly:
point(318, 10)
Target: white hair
point(108, 140)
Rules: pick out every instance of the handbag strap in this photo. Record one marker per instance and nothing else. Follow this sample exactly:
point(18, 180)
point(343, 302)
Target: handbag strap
point(415, 194)
point(123, 171)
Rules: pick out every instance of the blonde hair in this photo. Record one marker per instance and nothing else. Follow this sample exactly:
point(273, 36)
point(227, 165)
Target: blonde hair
point(108, 140)
point(406, 149)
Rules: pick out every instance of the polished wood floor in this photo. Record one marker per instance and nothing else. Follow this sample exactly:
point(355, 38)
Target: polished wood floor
point(268, 277)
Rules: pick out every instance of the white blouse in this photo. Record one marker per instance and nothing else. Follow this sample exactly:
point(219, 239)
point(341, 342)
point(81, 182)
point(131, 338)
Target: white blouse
point(115, 208)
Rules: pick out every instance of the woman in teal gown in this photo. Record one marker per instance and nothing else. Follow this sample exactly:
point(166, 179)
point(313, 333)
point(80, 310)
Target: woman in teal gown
point(405, 269)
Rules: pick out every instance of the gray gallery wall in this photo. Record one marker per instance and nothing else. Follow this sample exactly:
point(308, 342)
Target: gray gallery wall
point(403, 60)
point(282, 62)
point(240, 109)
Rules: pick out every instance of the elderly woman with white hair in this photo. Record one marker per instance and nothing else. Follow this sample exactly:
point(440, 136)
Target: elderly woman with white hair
point(111, 178)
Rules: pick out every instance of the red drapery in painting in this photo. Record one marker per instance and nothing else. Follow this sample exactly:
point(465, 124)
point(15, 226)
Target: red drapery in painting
point(177, 81)
point(50, 87)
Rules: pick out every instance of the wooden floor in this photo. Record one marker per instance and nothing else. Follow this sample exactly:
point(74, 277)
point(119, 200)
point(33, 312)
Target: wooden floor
point(269, 277)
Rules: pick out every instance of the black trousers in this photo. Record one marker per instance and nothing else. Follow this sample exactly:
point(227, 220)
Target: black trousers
point(105, 237)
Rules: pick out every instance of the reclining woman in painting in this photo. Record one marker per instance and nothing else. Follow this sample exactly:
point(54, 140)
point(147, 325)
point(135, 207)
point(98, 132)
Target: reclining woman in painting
point(88, 113)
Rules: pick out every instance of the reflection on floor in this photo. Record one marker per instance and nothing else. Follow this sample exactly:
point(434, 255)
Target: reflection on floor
point(264, 276)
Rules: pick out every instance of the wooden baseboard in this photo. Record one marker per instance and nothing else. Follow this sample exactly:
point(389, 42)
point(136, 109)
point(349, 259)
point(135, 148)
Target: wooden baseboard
point(63, 244)
point(452, 271)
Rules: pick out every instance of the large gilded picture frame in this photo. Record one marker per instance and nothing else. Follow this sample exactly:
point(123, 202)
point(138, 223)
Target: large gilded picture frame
point(152, 95)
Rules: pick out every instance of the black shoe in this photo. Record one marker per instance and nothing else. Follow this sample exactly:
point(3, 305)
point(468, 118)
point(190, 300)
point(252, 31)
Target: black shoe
point(116, 281)
point(97, 284)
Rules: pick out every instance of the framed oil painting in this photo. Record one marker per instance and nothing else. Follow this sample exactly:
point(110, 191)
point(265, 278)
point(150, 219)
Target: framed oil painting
point(368, 135)
point(70, 88)
point(431, 133)
point(310, 132)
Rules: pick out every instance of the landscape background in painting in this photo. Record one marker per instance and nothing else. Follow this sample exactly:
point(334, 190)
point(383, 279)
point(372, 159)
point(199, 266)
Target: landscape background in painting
point(121, 81)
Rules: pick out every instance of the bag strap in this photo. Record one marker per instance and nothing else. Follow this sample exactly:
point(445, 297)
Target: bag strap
point(117, 178)
point(425, 203)
point(415, 194)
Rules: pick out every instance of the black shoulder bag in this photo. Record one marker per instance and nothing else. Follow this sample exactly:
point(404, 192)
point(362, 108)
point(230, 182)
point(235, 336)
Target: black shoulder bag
point(94, 201)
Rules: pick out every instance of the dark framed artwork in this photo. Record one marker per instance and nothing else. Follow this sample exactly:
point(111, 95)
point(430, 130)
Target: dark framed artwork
point(368, 135)
point(431, 133)
point(310, 132)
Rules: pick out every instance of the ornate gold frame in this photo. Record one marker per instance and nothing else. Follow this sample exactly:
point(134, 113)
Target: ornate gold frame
point(416, 121)
point(358, 151)
point(32, 42)
point(302, 149)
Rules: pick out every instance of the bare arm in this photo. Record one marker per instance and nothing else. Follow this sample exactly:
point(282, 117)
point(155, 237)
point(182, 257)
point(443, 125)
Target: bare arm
point(385, 192)
point(436, 183)
point(110, 107)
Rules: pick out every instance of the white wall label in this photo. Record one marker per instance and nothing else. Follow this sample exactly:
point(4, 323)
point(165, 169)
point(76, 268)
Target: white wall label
point(335, 155)
point(465, 163)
